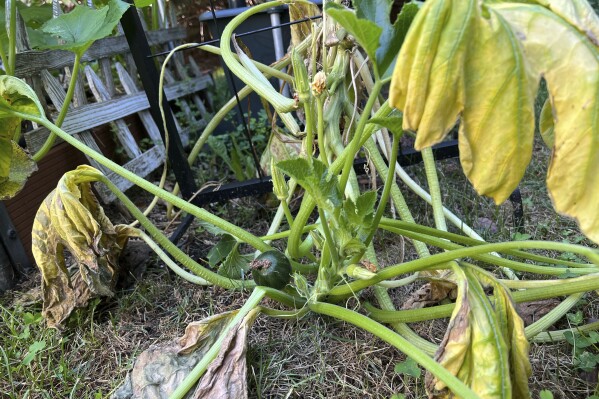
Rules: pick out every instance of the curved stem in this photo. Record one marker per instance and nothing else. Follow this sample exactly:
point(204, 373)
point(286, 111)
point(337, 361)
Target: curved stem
point(403, 345)
point(491, 259)
point(434, 188)
point(170, 263)
point(590, 283)
point(553, 316)
point(460, 239)
point(434, 260)
point(559, 335)
point(12, 38)
point(239, 233)
point(49, 143)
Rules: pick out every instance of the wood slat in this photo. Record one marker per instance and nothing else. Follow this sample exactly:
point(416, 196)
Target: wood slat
point(97, 114)
point(33, 61)
point(120, 127)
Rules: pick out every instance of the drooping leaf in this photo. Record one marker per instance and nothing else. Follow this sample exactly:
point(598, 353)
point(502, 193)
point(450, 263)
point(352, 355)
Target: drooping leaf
point(280, 147)
point(20, 167)
point(485, 345)
point(546, 125)
point(570, 64)
point(366, 32)
point(428, 78)
point(314, 177)
point(78, 29)
point(494, 154)
point(71, 218)
point(160, 369)
point(299, 11)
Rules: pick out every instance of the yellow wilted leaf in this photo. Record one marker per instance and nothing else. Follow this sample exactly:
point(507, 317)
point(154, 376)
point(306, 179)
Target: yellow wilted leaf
point(484, 345)
point(428, 78)
point(570, 64)
point(71, 218)
point(497, 129)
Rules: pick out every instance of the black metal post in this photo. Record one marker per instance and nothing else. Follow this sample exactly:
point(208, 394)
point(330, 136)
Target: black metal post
point(140, 50)
point(13, 258)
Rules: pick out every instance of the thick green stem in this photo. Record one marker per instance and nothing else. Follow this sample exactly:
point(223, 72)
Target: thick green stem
point(437, 259)
point(356, 143)
point(553, 316)
point(559, 335)
point(590, 283)
point(49, 143)
point(12, 39)
point(392, 338)
point(396, 195)
point(251, 304)
point(385, 302)
point(491, 259)
point(281, 103)
point(434, 188)
point(460, 239)
point(322, 148)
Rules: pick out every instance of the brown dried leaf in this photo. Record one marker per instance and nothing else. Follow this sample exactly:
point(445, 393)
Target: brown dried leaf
point(429, 294)
point(299, 11)
point(159, 370)
point(533, 311)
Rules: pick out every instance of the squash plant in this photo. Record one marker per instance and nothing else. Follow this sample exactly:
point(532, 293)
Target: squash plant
point(447, 60)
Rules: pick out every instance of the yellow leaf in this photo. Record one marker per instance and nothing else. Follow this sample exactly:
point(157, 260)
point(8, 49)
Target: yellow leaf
point(70, 218)
point(578, 13)
point(570, 64)
point(497, 129)
point(21, 166)
point(429, 71)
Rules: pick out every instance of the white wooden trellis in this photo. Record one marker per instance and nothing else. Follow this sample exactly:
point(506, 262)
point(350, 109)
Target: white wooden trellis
point(113, 100)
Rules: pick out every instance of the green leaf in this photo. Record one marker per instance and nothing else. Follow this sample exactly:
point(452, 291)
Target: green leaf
point(35, 16)
point(212, 229)
point(235, 265)
point(17, 96)
point(314, 177)
point(409, 367)
point(545, 394)
point(78, 29)
point(366, 32)
point(392, 36)
point(34, 348)
point(575, 318)
point(221, 250)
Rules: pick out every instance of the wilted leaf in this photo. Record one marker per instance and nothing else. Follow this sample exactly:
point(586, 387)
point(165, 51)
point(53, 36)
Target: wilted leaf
point(570, 64)
point(159, 370)
point(78, 29)
point(484, 345)
point(298, 11)
point(16, 166)
point(487, 63)
point(17, 96)
point(71, 218)
point(429, 294)
point(279, 148)
point(428, 78)
point(494, 154)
